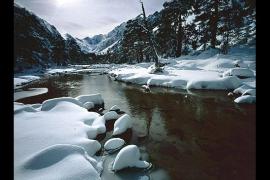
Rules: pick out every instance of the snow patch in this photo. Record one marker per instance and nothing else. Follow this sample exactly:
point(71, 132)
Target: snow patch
point(221, 83)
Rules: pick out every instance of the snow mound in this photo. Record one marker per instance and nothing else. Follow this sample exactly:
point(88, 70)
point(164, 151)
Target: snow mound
point(110, 115)
point(94, 98)
point(246, 99)
point(122, 124)
point(55, 144)
point(243, 72)
point(52, 155)
point(129, 156)
point(85, 101)
point(114, 143)
point(231, 82)
point(51, 103)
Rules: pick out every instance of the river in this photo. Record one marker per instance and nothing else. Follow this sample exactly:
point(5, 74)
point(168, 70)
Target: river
point(185, 135)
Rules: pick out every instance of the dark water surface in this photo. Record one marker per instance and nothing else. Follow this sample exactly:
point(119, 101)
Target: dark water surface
point(198, 135)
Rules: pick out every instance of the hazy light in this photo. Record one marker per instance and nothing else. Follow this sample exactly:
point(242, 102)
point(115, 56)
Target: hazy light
point(64, 2)
point(82, 18)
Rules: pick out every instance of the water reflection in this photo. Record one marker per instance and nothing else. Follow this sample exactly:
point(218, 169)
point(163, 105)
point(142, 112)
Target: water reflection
point(190, 135)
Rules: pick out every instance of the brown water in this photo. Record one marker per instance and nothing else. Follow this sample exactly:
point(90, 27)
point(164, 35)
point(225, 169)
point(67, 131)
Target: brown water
point(194, 135)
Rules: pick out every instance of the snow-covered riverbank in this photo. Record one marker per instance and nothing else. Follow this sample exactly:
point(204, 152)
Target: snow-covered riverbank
point(209, 70)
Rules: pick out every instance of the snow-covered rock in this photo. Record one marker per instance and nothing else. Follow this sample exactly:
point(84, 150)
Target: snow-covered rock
point(115, 108)
point(122, 124)
point(114, 143)
point(246, 99)
point(110, 115)
point(88, 105)
point(244, 72)
point(251, 92)
point(242, 89)
point(129, 156)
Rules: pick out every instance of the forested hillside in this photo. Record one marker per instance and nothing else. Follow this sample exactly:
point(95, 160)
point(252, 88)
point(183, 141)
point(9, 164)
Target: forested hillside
point(188, 26)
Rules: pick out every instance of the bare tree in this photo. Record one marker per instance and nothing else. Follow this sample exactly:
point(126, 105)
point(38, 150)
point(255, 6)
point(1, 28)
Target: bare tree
point(150, 36)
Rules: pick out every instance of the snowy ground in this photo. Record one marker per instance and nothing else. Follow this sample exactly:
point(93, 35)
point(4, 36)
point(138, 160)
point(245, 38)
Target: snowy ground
point(209, 70)
point(23, 79)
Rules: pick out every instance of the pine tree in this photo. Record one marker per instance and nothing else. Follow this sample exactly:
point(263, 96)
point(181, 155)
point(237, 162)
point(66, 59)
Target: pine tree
point(207, 17)
point(134, 43)
point(174, 12)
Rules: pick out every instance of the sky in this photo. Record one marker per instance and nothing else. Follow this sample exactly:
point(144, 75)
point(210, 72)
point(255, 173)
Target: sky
point(82, 18)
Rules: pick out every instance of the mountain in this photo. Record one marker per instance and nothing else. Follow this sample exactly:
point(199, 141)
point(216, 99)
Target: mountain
point(36, 43)
point(95, 39)
point(182, 27)
point(101, 43)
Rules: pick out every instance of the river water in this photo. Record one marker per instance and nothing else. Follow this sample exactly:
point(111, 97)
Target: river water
point(200, 135)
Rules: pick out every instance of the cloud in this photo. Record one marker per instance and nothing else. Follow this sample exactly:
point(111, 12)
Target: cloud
point(82, 18)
